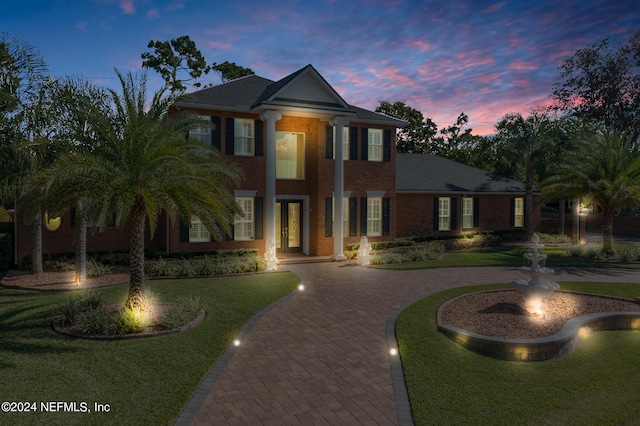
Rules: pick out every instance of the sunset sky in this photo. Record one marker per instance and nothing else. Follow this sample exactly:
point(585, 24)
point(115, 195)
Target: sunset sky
point(442, 57)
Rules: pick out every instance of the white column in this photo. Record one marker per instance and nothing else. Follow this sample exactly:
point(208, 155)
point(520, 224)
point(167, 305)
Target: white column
point(270, 188)
point(338, 191)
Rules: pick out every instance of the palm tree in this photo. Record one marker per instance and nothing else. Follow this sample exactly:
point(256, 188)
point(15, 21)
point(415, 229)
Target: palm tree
point(603, 169)
point(143, 165)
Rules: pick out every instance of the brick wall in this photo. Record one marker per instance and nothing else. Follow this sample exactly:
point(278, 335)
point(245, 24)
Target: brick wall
point(417, 214)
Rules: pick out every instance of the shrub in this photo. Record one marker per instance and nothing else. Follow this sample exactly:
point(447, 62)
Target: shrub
point(629, 254)
point(96, 269)
point(554, 238)
point(431, 251)
point(95, 321)
point(71, 309)
point(386, 258)
point(174, 317)
point(92, 300)
point(161, 268)
point(131, 320)
point(192, 305)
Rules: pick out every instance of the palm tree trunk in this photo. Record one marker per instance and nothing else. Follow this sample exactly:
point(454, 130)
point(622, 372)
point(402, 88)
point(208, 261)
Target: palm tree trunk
point(607, 232)
point(81, 246)
point(36, 236)
point(136, 262)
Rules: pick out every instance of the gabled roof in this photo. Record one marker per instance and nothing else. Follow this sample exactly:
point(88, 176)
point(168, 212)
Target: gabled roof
point(303, 90)
point(421, 174)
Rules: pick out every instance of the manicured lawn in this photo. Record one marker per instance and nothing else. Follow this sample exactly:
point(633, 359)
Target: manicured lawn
point(448, 384)
point(505, 256)
point(144, 381)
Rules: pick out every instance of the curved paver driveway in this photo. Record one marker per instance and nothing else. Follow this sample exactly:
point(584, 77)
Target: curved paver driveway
point(321, 356)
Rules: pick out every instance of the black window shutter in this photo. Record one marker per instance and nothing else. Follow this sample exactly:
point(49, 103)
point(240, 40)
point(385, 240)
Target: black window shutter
point(353, 143)
point(476, 212)
point(512, 212)
point(329, 143)
point(258, 130)
point(453, 214)
point(364, 151)
point(385, 216)
point(328, 217)
point(436, 213)
point(184, 232)
point(386, 145)
point(231, 235)
point(216, 132)
point(229, 134)
point(72, 214)
point(363, 216)
point(353, 216)
point(258, 212)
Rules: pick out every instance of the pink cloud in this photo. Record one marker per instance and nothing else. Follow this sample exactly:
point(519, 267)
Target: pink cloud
point(81, 26)
point(153, 13)
point(128, 7)
point(494, 7)
point(486, 78)
point(219, 45)
point(522, 66)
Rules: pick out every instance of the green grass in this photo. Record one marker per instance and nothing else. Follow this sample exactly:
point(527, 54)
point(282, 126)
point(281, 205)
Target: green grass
point(448, 384)
point(145, 381)
point(505, 256)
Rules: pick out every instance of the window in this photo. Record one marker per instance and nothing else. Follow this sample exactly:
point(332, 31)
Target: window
point(345, 143)
point(444, 214)
point(518, 212)
point(289, 155)
point(243, 140)
point(375, 144)
point(374, 216)
point(198, 233)
point(467, 213)
point(202, 134)
point(345, 215)
point(243, 229)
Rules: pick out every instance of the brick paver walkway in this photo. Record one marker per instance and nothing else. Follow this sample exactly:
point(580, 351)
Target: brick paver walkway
point(321, 356)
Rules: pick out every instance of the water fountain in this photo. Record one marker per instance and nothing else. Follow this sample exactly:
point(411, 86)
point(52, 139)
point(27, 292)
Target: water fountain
point(536, 288)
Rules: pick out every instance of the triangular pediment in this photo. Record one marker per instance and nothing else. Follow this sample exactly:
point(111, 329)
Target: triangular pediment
point(305, 87)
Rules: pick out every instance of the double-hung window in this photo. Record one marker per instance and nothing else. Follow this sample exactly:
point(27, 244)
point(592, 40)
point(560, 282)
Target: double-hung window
point(345, 143)
point(467, 213)
point(444, 214)
point(289, 155)
point(198, 233)
point(244, 137)
point(243, 224)
point(374, 216)
point(518, 212)
point(374, 147)
point(202, 134)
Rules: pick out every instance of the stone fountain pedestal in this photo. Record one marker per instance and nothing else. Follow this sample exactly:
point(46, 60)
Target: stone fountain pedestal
point(536, 288)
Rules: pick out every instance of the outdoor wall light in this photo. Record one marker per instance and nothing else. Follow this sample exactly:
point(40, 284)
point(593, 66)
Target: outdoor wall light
point(51, 223)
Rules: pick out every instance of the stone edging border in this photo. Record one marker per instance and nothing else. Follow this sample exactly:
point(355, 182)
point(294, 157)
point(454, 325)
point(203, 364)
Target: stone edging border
point(557, 345)
point(55, 325)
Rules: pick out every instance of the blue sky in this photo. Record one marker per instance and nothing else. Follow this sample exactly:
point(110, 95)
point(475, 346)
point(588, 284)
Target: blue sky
point(484, 58)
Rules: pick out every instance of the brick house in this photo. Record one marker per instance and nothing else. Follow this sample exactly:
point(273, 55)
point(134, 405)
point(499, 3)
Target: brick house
point(286, 136)
point(437, 196)
point(307, 156)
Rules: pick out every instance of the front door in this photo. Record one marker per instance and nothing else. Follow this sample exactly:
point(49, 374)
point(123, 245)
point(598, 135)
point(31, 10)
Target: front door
point(289, 226)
